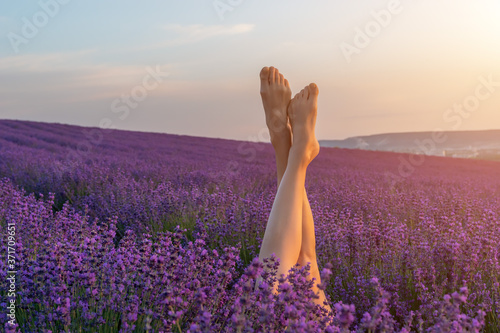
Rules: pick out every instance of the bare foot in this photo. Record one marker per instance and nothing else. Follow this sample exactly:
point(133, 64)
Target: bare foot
point(302, 113)
point(276, 95)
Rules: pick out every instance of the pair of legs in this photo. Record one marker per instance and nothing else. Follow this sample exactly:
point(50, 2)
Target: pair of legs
point(290, 229)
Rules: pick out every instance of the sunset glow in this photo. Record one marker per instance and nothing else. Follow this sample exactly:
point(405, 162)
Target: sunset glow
point(408, 68)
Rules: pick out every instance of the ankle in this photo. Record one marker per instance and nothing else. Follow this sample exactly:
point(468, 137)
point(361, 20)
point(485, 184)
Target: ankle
point(281, 140)
point(304, 151)
point(298, 156)
point(278, 128)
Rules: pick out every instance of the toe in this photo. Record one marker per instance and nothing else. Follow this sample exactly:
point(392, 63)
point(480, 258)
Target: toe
point(272, 74)
point(264, 74)
point(276, 75)
point(303, 93)
point(287, 84)
point(313, 90)
point(282, 79)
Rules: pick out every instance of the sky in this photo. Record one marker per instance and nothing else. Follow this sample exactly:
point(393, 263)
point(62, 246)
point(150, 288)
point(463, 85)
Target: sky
point(191, 67)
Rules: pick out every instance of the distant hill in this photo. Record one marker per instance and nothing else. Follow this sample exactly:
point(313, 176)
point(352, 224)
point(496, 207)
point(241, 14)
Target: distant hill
point(467, 144)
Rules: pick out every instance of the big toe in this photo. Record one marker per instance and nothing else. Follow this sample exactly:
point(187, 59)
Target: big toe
point(264, 74)
point(313, 90)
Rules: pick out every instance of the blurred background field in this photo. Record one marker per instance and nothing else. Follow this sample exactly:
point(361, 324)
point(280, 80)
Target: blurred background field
point(433, 233)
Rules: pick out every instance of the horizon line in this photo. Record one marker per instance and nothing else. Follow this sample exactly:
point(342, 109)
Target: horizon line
point(232, 139)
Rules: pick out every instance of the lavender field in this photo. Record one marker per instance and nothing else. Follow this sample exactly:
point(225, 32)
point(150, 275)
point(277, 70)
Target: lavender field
point(143, 232)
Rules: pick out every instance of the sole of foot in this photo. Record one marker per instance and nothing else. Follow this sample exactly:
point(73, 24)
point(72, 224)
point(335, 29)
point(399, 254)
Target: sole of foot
point(276, 95)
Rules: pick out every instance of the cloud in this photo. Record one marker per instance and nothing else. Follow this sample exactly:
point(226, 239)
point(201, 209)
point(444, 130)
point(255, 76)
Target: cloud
point(43, 79)
point(76, 67)
point(195, 33)
point(47, 62)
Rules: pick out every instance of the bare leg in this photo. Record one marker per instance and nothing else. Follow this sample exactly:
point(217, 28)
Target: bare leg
point(274, 99)
point(308, 247)
point(283, 234)
point(288, 219)
point(276, 95)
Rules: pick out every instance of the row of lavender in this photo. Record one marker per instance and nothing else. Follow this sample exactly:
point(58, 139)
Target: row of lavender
point(397, 250)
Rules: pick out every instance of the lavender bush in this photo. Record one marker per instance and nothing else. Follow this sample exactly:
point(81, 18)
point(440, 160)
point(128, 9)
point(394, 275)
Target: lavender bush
point(152, 233)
